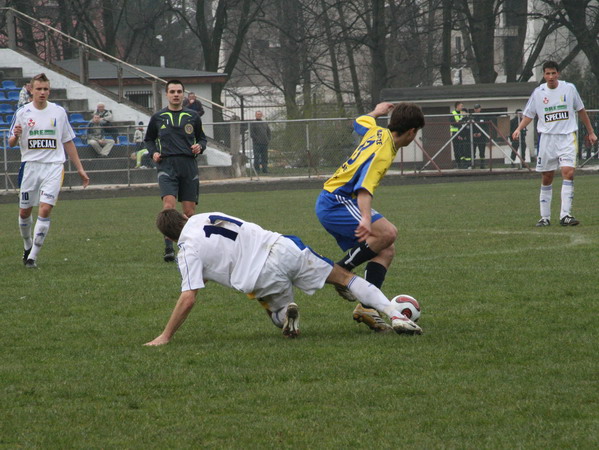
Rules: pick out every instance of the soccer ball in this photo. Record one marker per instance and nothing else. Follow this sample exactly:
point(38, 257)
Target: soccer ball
point(408, 306)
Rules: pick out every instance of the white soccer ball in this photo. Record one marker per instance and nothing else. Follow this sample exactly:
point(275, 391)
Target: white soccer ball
point(408, 306)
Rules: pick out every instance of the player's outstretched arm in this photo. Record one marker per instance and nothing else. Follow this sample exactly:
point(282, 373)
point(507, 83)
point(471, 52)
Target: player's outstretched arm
point(182, 309)
point(71, 150)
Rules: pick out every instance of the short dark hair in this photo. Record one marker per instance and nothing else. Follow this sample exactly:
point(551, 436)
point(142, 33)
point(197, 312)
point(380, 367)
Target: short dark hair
point(455, 105)
point(40, 77)
point(168, 83)
point(170, 222)
point(550, 65)
point(406, 116)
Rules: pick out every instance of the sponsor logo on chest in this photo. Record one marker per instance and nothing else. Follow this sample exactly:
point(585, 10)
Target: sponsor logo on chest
point(554, 117)
point(41, 144)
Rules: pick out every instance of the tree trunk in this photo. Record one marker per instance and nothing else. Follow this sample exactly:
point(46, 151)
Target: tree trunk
point(445, 67)
point(351, 61)
point(587, 39)
point(333, 56)
point(378, 50)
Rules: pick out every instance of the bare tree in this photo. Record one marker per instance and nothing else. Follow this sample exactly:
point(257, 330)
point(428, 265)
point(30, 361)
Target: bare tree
point(223, 30)
point(349, 50)
point(481, 18)
point(447, 23)
point(582, 19)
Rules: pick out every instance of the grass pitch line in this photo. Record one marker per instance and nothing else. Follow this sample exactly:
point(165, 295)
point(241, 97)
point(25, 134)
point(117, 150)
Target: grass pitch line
point(573, 240)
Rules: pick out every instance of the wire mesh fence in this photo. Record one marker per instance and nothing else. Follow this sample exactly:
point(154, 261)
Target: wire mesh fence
point(301, 148)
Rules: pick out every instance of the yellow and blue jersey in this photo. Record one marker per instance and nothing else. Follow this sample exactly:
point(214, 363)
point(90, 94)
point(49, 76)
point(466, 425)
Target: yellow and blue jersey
point(369, 163)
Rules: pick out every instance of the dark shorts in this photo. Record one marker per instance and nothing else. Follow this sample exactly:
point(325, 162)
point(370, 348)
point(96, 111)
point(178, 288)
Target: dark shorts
point(178, 176)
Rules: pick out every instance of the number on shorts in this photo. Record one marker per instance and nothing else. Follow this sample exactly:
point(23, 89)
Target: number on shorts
point(25, 196)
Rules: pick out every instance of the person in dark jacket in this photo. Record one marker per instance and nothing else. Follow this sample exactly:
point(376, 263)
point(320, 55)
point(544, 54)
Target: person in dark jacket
point(520, 143)
point(192, 102)
point(260, 134)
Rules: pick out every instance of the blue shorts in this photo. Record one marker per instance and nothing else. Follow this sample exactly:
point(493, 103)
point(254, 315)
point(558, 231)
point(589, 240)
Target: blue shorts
point(340, 216)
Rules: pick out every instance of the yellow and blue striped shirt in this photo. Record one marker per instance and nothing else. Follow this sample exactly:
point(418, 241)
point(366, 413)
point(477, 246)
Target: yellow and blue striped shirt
point(369, 163)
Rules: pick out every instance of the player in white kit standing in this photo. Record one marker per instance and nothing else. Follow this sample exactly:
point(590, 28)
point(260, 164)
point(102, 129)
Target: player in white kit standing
point(42, 130)
point(556, 103)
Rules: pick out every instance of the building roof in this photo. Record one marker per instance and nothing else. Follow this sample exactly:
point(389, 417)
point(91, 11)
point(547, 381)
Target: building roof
point(463, 92)
point(106, 72)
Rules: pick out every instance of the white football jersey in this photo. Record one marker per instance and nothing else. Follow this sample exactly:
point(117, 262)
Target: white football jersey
point(44, 132)
point(556, 108)
point(222, 248)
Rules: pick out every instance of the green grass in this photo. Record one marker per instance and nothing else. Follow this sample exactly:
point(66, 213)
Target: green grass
point(509, 358)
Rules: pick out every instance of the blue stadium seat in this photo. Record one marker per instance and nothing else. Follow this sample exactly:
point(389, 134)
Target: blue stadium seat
point(77, 118)
point(78, 141)
point(13, 95)
point(2, 96)
point(8, 118)
point(3, 122)
point(123, 140)
point(9, 84)
point(6, 108)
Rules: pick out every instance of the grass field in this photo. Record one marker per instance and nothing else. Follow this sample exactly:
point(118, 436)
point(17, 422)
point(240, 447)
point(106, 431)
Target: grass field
point(508, 358)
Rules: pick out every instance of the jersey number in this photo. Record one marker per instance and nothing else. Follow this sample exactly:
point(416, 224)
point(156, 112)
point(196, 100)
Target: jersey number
point(209, 230)
point(357, 153)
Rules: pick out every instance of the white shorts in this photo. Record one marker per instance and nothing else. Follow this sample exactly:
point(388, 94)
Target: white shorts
point(556, 150)
point(39, 182)
point(290, 263)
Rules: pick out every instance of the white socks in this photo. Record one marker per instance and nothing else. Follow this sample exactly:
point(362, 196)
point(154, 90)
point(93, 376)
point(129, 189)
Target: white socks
point(369, 295)
point(25, 229)
point(567, 197)
point(545, 201)
point(42, 225)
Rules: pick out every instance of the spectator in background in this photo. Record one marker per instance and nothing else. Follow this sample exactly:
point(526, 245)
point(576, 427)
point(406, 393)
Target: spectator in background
point(141, 156)
point(24, 95)
point(191, 102)
point(520, 143)
point(138, 136)
point(104, 114)
point(479, 138)
point(96, 137)
point(260, 134)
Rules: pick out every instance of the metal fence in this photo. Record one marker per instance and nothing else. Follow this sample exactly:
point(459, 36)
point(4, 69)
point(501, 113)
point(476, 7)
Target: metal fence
point(305, 148)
